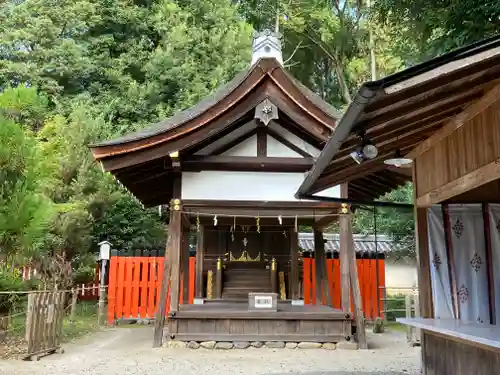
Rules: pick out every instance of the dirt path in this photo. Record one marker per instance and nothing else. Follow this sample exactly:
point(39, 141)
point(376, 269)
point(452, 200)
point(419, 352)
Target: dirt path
point(128, 351)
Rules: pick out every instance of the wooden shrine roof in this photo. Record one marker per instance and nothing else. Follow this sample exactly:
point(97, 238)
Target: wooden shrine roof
point(399, 112)
point(142, 161)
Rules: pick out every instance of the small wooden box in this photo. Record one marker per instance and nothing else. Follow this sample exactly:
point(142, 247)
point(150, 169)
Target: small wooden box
point(263, 301)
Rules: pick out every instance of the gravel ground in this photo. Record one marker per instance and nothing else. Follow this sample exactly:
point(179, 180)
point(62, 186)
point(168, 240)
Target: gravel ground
point(128, 351)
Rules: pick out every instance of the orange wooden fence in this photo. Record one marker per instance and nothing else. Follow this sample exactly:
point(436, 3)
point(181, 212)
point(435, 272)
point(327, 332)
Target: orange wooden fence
point(135, 283)
point(370, 270)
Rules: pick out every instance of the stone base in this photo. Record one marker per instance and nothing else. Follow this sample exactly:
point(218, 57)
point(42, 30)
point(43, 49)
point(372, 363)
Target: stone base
point(297, 302)
point(227, 345)
point(198, 301)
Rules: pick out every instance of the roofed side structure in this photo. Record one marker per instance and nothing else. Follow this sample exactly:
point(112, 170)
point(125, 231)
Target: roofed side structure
point(399, 112)
point(262, 101)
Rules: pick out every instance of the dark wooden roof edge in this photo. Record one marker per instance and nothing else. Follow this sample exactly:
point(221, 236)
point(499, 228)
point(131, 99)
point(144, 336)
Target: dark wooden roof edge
point(368, 92)
point(210, 101)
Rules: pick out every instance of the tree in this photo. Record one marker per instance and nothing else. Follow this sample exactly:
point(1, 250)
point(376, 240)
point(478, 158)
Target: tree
point(25, 211)
point(424, 29)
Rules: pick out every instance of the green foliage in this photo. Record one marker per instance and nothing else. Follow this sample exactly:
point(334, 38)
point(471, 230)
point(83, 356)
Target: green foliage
point(24, 210)
point(424, 29)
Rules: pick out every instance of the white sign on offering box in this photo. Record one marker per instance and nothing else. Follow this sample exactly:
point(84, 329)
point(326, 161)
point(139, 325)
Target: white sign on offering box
point(263, 302)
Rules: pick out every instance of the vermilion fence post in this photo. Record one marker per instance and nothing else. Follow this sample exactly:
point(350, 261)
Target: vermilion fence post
point(120, 286)
point(151, 284)
point(136, 266)
point(113, 265)
point(192, 279)
point(336, 281)
point(158, 279)
point(331, 285)
point(381, 286)
point(373, 284)
point(144, 277)
point(127, 308)
point(306, 271)
point(313, 281)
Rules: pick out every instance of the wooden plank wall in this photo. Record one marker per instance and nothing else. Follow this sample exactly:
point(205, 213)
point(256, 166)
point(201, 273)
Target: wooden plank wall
point(442, 355)
point(474, 145)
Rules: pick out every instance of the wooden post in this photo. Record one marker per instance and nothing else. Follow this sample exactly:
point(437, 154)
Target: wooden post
point(74, 301)
point(218, 279)
point(423, 258)
point(294, 264)
point(170, 268)
point(345, 233)
point(200, 255)
point(185, 264)
point(274, 276)
point(356, 292)
point(321, 276)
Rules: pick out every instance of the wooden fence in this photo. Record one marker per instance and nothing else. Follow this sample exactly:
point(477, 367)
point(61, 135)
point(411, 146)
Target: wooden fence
point(44, 321)
point(135, 283)
point(371, 274)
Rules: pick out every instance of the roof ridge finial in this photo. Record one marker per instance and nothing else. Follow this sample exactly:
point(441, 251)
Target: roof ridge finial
point(266, 44)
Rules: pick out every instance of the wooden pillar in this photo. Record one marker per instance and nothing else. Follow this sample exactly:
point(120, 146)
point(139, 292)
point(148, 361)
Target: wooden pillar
point(294, 264)
point(170, 268)
point(200, 255)
point(423, 257)
point(356, 290)
point(345, 236)
point(322, 286)
point(218, 279)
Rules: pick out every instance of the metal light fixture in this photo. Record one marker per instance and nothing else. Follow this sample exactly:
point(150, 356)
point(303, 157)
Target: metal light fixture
point(366, 151)
point(398, 161)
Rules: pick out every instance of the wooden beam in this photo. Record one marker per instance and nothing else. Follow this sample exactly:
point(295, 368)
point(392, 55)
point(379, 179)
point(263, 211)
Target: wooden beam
point(246, 164)
point(261, 140)
point(344, 224)
point(321, 275)
point(470, 112)
point(287, 143)
point(200, 256)
point(472, 180)
point(294, 264)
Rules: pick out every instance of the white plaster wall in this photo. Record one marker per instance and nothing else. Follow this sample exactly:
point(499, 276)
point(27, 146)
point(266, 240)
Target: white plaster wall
point(277, 149)
point(400, 274)
point(292, 138)
point(253, 186)
point(246, 148)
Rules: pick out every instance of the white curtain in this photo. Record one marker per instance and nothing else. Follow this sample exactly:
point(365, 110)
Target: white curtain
point(466, 226)
point(440, 278)
point(494, 212)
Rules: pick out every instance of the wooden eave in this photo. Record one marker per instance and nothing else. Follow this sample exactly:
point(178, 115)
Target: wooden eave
point(400, 112)
point(141, 161)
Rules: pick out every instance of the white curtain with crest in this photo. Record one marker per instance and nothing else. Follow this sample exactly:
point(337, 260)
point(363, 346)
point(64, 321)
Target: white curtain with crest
point(494, 213)
point(440, 277)
point(466, 225)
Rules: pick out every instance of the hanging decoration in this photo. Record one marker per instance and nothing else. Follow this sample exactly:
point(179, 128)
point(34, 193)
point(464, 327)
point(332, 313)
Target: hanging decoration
point(258, 224)
point(215, 220)
point(280, 219)
point(296, 225)
point(198, 222)
point(233, 228)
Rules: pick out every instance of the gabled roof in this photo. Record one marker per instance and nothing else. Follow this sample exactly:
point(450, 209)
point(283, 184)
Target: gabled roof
point(141, 160)
point(399, 112)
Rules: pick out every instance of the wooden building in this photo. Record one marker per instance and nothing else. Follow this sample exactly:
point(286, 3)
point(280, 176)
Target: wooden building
point(442, 119)
point(228, 170)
